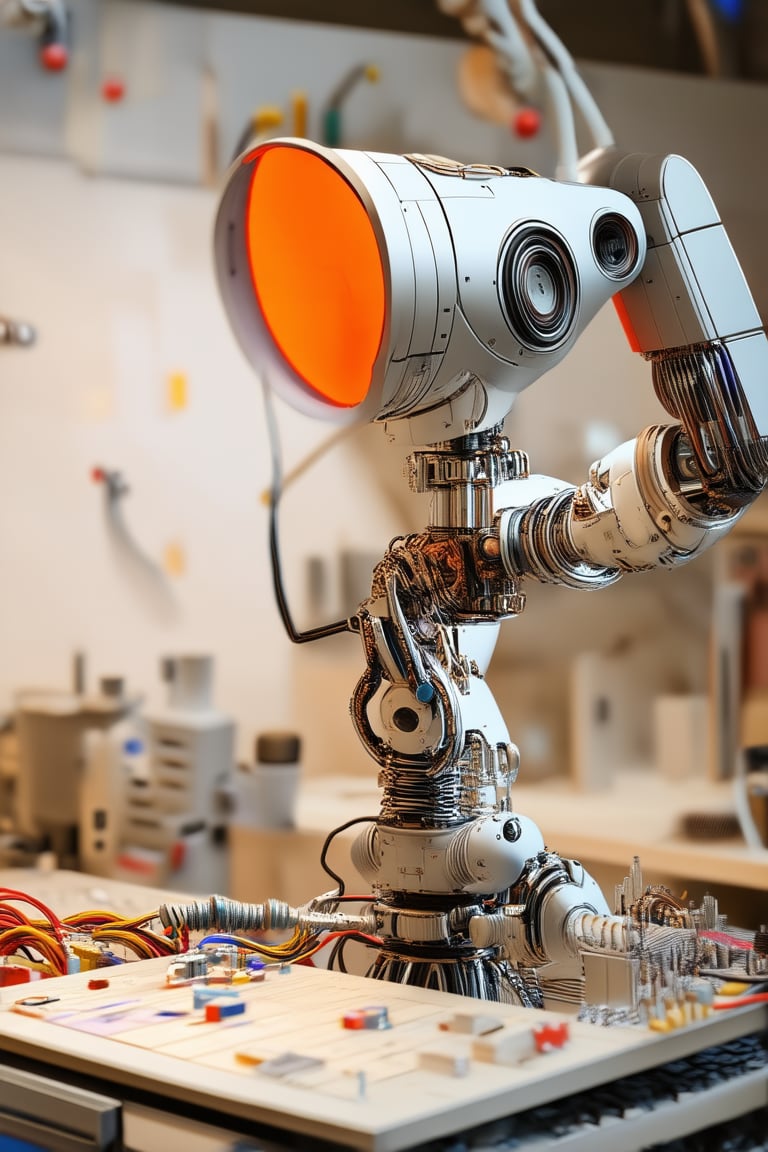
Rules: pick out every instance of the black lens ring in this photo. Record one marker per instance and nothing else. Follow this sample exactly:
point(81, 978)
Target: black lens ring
point(615, 245)
point(542, 253)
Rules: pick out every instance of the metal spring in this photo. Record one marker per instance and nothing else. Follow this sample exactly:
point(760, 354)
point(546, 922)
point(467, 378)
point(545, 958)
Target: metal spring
point(216, 913)
point(412, 796)
point(565, 991)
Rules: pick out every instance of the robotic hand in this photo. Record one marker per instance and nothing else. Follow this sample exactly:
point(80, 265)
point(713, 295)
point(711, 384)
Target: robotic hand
point(425, 295)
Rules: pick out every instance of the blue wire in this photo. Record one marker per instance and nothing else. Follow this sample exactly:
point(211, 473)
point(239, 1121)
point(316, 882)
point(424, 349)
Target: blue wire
point(220, 938)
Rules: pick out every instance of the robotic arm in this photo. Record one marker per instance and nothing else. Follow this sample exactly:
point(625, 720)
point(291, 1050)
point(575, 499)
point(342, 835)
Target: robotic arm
point(664, 497)
point(424, 294)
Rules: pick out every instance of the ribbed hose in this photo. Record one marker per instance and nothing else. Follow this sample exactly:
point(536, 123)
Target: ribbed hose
point(219, 914)
point(535, 540)
point(598, 932)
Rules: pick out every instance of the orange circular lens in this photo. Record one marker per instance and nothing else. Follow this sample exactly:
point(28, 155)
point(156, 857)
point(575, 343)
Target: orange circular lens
point(317, 271)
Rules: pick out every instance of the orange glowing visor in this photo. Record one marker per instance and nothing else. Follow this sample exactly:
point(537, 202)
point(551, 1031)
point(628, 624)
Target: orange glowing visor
point(316, 270)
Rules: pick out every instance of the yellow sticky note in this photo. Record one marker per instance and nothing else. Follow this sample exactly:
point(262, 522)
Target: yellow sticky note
point(177, 391)
point(174, 559)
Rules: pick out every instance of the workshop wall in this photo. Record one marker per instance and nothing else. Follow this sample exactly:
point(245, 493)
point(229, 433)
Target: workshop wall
point(108, 207)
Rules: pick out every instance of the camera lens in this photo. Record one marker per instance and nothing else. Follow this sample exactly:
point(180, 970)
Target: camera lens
point(615, 246)
point(538, 288)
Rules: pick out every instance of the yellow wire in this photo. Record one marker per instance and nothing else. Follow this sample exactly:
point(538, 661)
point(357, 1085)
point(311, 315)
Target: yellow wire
point(47, 945)
point(135, 943)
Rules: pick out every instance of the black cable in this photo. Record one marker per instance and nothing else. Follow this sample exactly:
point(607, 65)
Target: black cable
point(243, 140)
point(336, 955)
point(274, 544)
point(324, 852)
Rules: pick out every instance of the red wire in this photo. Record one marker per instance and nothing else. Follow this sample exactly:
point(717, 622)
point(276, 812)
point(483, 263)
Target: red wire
point(755, 998)
point(12, 894)
point(12, 916)
point(375, 940)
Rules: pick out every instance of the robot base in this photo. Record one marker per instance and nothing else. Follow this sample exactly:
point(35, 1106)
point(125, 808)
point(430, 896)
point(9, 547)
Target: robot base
point(463, 969)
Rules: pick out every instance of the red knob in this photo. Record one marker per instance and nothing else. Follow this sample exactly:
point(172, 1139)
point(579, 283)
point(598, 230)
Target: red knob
point(113, 90)
point(54, 57)
point(527, 123)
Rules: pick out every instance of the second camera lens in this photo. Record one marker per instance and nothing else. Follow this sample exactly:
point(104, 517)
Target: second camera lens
point(615, 246)
point(538, 288)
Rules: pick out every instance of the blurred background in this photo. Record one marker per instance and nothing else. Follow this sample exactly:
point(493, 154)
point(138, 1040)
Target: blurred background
point(133, 453)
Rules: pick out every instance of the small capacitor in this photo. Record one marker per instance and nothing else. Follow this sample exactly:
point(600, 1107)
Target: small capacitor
point(373, 1018)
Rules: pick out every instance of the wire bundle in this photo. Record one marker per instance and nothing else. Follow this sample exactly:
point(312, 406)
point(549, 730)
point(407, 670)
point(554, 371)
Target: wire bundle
point(534, 58)
point(46, 941)
point(299, 947)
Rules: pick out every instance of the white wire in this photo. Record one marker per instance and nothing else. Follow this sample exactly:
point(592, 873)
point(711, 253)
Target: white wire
point(601, 134)
point(567, 167)
point(501, 23)
point(510, 44)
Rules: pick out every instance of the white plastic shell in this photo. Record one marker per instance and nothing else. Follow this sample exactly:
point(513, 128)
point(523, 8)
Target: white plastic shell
point(638, 518)
point(476, 857)
point(691, 289)
point(449, 362)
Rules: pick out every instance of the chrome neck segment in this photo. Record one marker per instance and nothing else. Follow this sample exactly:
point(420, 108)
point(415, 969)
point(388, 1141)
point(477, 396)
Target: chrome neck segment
point(462, 474)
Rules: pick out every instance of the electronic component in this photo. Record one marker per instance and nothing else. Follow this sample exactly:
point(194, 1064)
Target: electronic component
point(221, 1008)
point(366, 1019)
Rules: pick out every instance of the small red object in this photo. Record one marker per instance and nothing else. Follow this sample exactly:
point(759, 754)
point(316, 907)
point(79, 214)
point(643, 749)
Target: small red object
point(97, 475)
point(98, 982)
point(549, 1036)
point(16, 974)
point(54, 57)
point(177, 855)
point(629, 332)
point(135, 864)
point(527, 123)
point(113, 89)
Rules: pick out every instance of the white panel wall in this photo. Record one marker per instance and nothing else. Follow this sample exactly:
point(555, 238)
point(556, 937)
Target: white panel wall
point(116, 274)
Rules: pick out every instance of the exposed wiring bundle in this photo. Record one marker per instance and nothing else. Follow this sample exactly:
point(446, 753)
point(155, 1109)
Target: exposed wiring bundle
point(53, 946)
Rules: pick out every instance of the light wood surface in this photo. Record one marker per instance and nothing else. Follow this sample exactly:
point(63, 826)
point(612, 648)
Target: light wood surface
point(368, 1090)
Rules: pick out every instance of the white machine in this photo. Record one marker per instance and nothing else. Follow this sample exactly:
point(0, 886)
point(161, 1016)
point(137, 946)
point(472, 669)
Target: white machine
point(152, 799)
point(425, 294)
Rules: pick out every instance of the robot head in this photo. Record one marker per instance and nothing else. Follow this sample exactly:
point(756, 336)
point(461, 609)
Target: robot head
point(414, 290)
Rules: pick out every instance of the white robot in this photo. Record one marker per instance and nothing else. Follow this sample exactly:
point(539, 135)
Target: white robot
point(425, 295)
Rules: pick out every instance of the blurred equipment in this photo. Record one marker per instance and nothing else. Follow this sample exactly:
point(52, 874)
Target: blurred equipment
point(50, 729)
point(16, 332)
point(108, 790)
point(174, 806)
point(266, 791)
point(528, 68)
point(49, 20)
point(148, 576)
point(332, 114)
point(259, 127)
